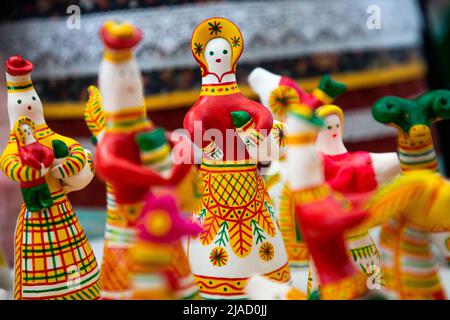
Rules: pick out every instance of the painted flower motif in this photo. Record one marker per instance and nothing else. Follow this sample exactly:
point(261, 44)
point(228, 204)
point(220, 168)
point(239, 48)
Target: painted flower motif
point(278, 133)
point(266, 251)
point(281, 98)
point(218, 257)
point(214, 27)
point(236, 41)
point(198, 48)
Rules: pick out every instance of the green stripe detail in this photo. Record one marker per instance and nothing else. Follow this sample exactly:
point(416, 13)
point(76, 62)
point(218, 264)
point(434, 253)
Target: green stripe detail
point(20, 87)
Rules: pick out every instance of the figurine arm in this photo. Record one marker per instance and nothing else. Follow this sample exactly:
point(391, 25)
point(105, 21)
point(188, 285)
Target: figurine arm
point(48, 157)
point(13, 167)
point(262, 117)
point(74, 162)
point(118, 170)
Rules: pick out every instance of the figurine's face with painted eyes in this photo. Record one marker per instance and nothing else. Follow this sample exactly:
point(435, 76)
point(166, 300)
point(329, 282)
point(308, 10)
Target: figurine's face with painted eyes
point(120, 85)
point(218, 56)
point(26, 103)
point(28, 134)
point(332, 128)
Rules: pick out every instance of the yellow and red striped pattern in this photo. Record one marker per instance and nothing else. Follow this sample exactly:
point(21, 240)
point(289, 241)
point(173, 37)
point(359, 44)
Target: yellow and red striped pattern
point(128, 120)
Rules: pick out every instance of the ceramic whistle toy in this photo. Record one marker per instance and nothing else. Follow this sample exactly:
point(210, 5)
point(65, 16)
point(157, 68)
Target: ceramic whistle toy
point(278, 94)
point(117, 118)
point(158, 245)
point(53, 259)
point(36, 194)
point(240, 234)
point(410, 207)
point(351, 172)
point(324, 216)
point(416, 268)
point(306, 186)
point(324, 225)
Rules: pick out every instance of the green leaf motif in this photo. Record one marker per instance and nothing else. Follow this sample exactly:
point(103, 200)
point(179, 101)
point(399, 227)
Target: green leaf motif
point(258, 232)
point(222, 235)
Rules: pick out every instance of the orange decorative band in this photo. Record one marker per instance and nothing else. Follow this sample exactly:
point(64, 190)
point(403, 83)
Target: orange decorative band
point(282, 274)
point(134, 119)
point(219, 90)
point(19, 86)
point(117, 56)
point(43, 131)
point(221, 288)
point(322, 96)
point(346, 289)
point(301, 139)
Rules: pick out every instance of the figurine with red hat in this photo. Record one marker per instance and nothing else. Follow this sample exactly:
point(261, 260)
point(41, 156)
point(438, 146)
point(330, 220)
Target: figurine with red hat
point(240, 234)
point(53, 259)
point(120, 157)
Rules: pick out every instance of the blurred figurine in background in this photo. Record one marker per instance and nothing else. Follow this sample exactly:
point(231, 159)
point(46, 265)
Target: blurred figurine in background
point(306, 187)
point(351, 172)
point(325, 217)
point(278, 94)
point(129, 160)
point(53, 259)
point(240, 234)
point(409, 265)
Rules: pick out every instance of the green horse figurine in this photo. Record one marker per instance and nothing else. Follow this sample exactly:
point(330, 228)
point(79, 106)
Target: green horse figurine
point(409, 266)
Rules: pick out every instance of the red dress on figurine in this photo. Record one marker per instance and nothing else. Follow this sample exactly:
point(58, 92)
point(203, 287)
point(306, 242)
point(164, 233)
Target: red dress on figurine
point(350, 172)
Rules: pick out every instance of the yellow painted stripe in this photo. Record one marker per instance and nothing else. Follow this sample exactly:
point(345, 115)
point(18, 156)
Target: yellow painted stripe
point(354, 80)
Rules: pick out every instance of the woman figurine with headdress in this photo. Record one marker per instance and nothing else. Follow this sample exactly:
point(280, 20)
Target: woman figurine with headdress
point(240, 235)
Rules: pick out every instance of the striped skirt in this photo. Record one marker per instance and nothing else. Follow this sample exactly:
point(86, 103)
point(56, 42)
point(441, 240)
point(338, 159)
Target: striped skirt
point(53, 259)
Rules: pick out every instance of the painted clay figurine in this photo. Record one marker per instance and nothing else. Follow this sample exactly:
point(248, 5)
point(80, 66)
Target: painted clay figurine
point(155, 151)
point(306, 186)
point(53, 259)
point(159, 231)
point(120, 111)
point(415, 265)
point(351, 172)
point(410, 207)
point(240, 234)
point(324, 216)
point(278, 93)
point(36, 194)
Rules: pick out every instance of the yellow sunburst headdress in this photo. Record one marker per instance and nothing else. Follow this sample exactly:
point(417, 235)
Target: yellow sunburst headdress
point(216, 28)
